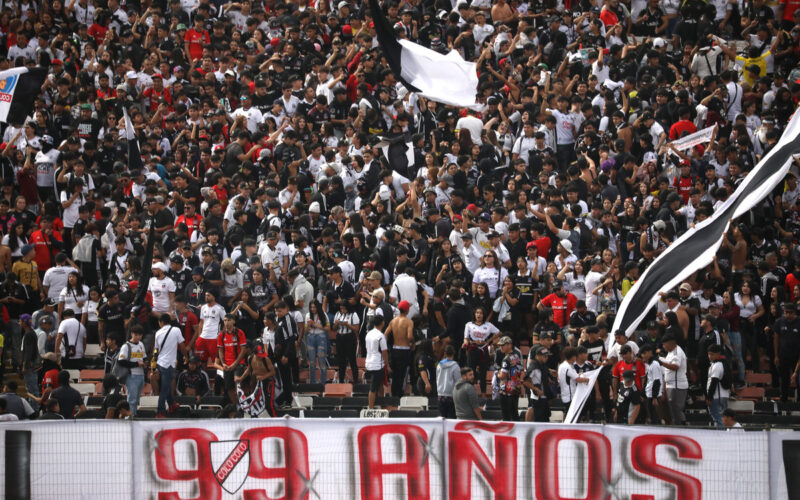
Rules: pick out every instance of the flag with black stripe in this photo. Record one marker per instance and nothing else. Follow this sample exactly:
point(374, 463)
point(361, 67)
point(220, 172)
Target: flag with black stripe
point(134, 154)
point(18, 89)
point(448, 79)
point(696, 248)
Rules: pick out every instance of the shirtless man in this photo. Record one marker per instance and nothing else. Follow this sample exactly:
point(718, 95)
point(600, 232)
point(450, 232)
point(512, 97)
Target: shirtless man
point(256, 386)
point(673, 305)
point(503, 12)
point(738, 251)
point(401, 331)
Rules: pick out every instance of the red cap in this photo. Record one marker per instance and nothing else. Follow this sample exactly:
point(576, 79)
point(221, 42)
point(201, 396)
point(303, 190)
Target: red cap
point(457, 217)
point(685, 163)
point(132, 285)
point(275, 41)
point(347, 29)
point(156, 75)
point(404, 306)
point(503, 61)
point(532, 244)
point(700, 149)
point(472, 207)
point(56, 61)
point(371, 24)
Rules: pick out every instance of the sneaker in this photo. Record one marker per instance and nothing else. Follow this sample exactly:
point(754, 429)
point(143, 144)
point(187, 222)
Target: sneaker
point(285, 406)
point(173, 408)
point(160, 415)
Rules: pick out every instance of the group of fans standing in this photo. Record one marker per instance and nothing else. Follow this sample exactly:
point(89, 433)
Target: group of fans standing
point(306, 210)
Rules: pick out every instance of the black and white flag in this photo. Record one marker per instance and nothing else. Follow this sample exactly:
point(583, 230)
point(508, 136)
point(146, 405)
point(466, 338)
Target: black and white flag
point(696, 248)
point(134, 154)
point(18, 89)
point(448, 79)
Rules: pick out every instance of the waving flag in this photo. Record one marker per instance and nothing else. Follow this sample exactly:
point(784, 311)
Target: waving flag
point(18, 88)
point(443, 78)
point(134, 155)
point(696, 248)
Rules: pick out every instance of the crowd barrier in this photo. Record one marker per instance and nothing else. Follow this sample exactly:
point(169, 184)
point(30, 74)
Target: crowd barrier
point(418, 459)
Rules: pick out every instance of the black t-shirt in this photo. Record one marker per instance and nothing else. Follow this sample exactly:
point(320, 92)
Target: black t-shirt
point(595, 350)
point(426, 363)
point(113, 317)
point(526, 287)
point(181, 278)
point(68, 398)
point(788, 337)
point(627, 399)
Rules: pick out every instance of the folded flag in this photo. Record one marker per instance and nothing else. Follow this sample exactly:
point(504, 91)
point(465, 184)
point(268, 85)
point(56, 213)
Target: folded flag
point(18, 89)
point(696, 248)
point(443, 78)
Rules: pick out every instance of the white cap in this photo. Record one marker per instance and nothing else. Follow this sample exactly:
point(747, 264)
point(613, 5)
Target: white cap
point(650, 156)
point(314, 207)
point(131, 75)
point(567, 245)
point(659, 42)
point(161, 266)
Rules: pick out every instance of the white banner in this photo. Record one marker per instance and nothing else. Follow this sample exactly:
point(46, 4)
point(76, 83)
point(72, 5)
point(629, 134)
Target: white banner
point(582, 393)
point(8, 85)
point(692, 140)
point(389, 458)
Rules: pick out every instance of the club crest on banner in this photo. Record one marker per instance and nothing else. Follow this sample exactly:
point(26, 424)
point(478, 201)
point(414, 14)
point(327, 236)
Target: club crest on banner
point(7, 86)
point(230, 461)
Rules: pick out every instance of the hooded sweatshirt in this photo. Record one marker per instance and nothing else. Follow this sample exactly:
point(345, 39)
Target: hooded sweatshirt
point(448, 374)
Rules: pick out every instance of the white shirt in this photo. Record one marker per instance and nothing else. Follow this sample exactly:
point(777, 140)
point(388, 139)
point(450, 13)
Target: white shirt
point(376, 344)
point(491, 277)
point(474, 125)
point(253, 117)
point(45, 167)
point(479, 333)
point(167, 340)
point(133, 352)
point(56, 279)
point(71, 212)
point(593, 279)
point(212, 317)
point(614, 351)
point(160, 289)
point(676, 379)
point(405, 288)
point(522, 146)
point(564, 127)
point(566, 381)
point(71, 298)
point(717, 371)
point(74, 334)
point(654, 371)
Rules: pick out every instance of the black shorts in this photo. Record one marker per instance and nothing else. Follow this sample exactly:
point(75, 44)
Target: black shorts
point(227, 377)
point(377, 379)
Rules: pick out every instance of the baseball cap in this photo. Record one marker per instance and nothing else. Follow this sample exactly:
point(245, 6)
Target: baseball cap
point(197, 270)
point(131, 75)
point(504, 340)
point(375, 275)
point(542, 351)
point(26, 249)
point(404, 306)
point(627, 374)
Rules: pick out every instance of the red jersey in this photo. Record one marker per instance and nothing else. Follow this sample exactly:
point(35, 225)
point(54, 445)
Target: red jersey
point(684, 187)
point(191, 222)
point(155, 96)
point(678, 128)
point(562, 307)
point(196, 40)
point(609, 17)
point(543, 246)
point(188, 321)
point(231, 344)
point(222, 195)
point(98, 33)
point(637, 367)
point(43, 246)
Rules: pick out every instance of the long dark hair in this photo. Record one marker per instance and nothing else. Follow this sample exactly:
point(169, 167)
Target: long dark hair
point(13, 239)
point(323, 318)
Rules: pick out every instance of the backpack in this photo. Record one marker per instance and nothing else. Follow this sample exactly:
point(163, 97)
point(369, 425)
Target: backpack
point(727, 374)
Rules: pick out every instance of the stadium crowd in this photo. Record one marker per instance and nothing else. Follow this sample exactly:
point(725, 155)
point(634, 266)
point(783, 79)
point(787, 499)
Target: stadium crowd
point(308, 211)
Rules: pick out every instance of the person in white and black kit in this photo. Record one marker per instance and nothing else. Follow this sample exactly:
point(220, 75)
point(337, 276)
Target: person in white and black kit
point(629, 400)
point(718, 388)
point(539, 377)
point(568, 378)
point(168, 341)
point(654, 387)
point(376, 363)
point(287, 340)
point(346, 324)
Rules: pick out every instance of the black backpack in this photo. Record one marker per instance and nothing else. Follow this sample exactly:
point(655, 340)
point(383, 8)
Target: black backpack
point(727, 374)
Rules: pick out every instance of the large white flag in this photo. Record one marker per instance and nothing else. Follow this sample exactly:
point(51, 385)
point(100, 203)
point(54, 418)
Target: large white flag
point(582, 393)
point(18, 89)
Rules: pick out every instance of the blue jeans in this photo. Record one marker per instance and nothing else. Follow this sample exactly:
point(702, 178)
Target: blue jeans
point(165, 399)
point(736, 344)
point(134, 384)
point(317, 354)
point(32, 385)
point(716, 408)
